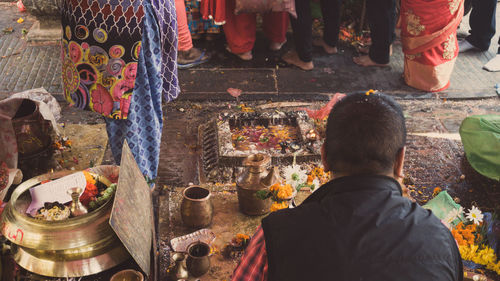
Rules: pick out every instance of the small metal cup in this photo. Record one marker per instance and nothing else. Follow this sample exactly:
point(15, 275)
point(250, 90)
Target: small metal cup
point(127, 275)
point(198, 260)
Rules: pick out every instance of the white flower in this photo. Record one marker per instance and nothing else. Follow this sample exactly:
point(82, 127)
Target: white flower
point(295, 176)
point(475, 215)
point(453, 215)
point(315, 185)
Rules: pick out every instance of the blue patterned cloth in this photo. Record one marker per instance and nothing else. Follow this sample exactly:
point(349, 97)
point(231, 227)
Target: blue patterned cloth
point(142, 129)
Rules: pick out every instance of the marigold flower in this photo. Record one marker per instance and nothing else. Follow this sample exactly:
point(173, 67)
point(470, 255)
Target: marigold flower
point(275, 187)
point(278, 206)
point(436, 191)
point(285, 191)
point(89, 178)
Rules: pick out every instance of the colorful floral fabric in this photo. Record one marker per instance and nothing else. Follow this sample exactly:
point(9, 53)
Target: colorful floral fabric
point(118, 59)
point(100, 60)
point(101, 47)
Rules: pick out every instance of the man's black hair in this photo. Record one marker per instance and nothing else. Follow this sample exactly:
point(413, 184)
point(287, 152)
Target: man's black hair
point(364, 134)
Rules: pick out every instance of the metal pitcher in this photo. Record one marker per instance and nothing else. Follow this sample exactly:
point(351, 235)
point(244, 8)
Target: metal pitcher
point(179, 271)
point(255, 177)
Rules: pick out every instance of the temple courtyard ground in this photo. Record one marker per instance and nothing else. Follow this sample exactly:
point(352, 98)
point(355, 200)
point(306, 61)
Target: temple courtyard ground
point(435, 152)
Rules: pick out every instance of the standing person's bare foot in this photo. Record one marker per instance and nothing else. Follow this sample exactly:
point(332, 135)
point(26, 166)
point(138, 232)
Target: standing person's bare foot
point(246, 56)
point(319, 42)
point(366, 61)
point(292, 57)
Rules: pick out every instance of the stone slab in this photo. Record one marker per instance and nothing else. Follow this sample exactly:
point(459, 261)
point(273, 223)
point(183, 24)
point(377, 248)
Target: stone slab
point(51, 32)
point(219, 80)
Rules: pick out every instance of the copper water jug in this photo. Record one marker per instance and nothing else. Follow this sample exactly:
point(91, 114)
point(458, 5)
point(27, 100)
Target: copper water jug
point(255, 177)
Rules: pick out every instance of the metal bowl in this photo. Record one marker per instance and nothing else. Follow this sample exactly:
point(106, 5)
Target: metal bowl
point(82, 261)
point(31, 233)
point(79, 246)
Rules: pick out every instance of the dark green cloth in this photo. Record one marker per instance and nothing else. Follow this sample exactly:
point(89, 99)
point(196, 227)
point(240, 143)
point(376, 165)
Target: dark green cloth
point(481, 139)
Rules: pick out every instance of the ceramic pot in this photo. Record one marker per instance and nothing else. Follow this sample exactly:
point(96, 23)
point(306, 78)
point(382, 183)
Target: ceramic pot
point(196, 207)
point(198, 260)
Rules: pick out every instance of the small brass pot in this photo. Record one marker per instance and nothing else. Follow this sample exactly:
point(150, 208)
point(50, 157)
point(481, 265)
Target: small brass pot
point(31, 129)
point(198, 260)
point(179, 271)
point(196, 207)
point(127, 275)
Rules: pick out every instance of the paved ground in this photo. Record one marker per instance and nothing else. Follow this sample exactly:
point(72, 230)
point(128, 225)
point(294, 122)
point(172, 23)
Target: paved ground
point(25, 65)
point(268, 75)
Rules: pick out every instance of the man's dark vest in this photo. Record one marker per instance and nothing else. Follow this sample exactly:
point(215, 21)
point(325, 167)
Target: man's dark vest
point(359, 228)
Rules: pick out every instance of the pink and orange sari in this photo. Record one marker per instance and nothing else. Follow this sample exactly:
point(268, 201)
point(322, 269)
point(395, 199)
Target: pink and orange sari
point(429, 38)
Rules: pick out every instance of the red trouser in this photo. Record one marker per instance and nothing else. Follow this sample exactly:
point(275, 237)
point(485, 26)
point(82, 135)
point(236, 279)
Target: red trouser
point(184, 42)
point(240, 29)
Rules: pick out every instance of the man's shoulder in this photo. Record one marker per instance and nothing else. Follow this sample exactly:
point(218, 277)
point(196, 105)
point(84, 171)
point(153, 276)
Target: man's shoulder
point(301, 215)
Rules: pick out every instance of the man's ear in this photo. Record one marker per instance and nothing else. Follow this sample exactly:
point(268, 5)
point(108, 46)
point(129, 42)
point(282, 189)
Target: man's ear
point(399, 163)
point(326, 167)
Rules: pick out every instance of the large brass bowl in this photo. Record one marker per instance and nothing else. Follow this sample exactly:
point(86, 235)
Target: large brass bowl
point(31, 233)
point(78, 262)
point(77, 246)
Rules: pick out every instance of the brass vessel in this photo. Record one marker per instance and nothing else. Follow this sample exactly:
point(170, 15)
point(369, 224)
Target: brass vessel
point(128, 275)
point(78, 246)
point(179, 271)
point(31, 129)
point(253, 179)
point(196, 207)
point(77, 208)
point(198, 260)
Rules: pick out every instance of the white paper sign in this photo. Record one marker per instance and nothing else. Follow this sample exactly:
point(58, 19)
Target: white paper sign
point(56, 190)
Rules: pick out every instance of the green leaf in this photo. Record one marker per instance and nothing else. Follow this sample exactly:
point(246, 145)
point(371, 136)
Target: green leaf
point(264, 139)
point(263, 194)
point(300, 186)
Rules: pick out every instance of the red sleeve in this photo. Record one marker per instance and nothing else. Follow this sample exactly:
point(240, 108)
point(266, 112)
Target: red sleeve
point(253, 265)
